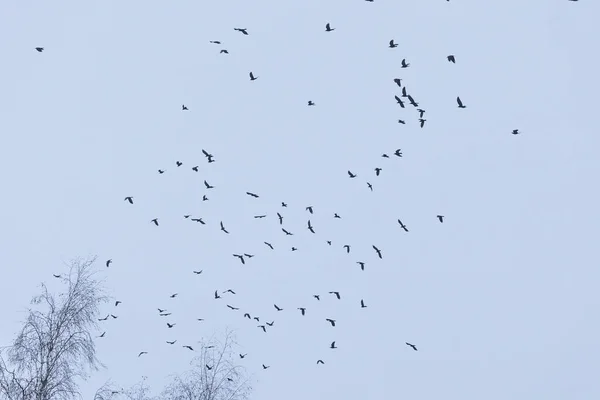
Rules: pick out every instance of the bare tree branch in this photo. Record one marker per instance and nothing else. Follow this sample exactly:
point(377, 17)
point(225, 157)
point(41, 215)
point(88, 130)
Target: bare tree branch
point(225, 380)
point(55, 347)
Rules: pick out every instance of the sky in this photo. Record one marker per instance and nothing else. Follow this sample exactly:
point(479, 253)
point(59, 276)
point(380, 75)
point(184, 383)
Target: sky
point(500, 299)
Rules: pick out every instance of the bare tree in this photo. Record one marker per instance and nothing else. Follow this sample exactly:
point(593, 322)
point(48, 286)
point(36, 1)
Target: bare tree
point(214, 375)
point(55, 347)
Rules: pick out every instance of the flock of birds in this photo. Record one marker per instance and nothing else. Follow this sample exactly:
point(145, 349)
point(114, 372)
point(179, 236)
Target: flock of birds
point(404, 97)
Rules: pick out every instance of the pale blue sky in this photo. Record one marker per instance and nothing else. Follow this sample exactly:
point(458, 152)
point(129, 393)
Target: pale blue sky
point(501, 299)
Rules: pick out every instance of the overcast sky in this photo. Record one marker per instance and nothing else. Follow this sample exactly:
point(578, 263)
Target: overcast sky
point(501, 299)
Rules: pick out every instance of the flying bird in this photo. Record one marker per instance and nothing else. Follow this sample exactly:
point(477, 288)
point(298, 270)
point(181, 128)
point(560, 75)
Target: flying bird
point(302, 310)
point(223, 51)
point(310, 228)
point(337, 294)
point(252, 77)
point(280, 219)
point(39, 49)
point(370, 186)
point(189, 347)
point(460, 103)
point(377, 251)
point(183, 107)
point(351, 175)
point(223, 228)
point(412, 345)
point(441, 218)
point(208, 186)
point(316, 296)
point(252, 195)
point(173, 342)
point(108, 262)
point(328, 28)
point(392, 44)
point(398, 153)
point(179, 163)
point(331, 321)
point(242, 30)
point(198, 272)
point(142, 352)
point(217, 295)
point(404, 64)
point(347, 247)
point(232, 307)
point(332, 346)
point(277, 308)
point(398, 82)
point(155, 220)
point(266, 366)
point(451, 59)
point(240, 257)
point(399, 101)
point(215, 42)
point(129, 199)
point(269, 244)
point(422, 121)
point(174, 295)
point(311, 103)
point(403, 226)
point(421, 112)
point(362, 304)
point(377, 171)
point(286, 232)
point(321, 361)
point(309, 209)
point(515, 132)
point(362, 265)
point(117, 302)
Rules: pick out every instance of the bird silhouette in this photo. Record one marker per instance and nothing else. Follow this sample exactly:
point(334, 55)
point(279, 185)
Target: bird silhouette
point(208, 186)
point(241, 257)
point(377, 251)
point(302, 310)
point(347, 247)
point(412, 345)
point(189, 348)
point(108, 262)
point(321, 361)
point(422, 121)
point(440, 218)
point(142, 352)
point(232, 307)
point(332, 346)
point(316, 296)
point(155, 221)
point(129, 199)
point(402, 226)
point(399, 101)
point(328, 28)
point(362, 304)
point(173, 342)
point(310, 228)
point(198, 272)
point(39, 49)
point(269, 244)
point(404, 64)
point(174, 295)
point(377, 171)
point(252, 195)
point(362, 265)
point(398, 153)
point(223, 51)
point(183, 107)
point(277, 308)
point(215, 42)
point(252, 77)
point(337, 294)
point(266, 366)
point(331, 321)
point(392, 44)
point(515, 132)
point(243, 355)
point(398, 82)
point(242, 30)
point(311, 103)
point(351, 175)
point(217, 295)
point(421, 112)
point(460, 103)
point(223, 228)
point(117, 302)
point(451, 59)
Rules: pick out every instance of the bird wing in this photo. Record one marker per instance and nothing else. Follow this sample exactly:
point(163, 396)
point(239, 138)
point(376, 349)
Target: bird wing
point(459, 102)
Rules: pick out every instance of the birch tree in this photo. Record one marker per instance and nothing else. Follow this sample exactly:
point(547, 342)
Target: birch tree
point(55, 347)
